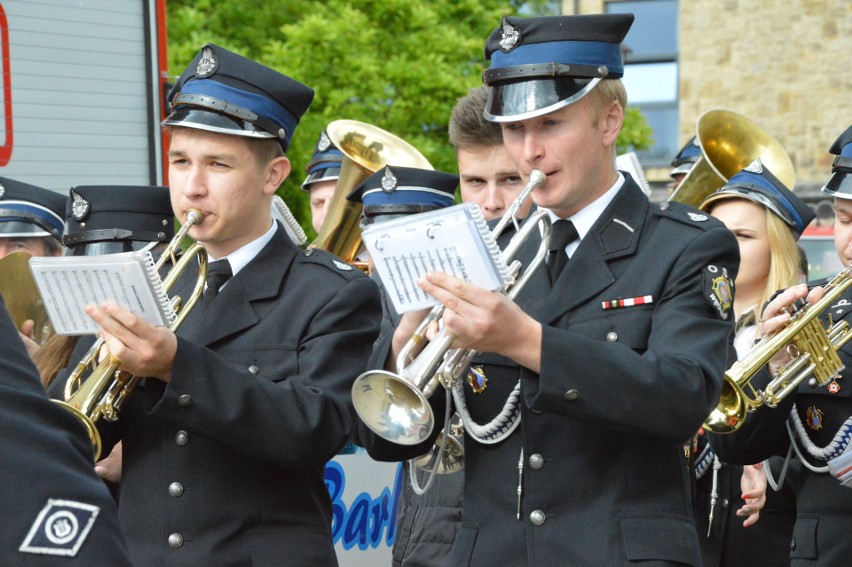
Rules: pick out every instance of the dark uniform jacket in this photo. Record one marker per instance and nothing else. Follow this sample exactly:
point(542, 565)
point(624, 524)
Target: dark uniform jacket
point(823, 505)
point(602, 427)
point(56, 511)
point(224, 465)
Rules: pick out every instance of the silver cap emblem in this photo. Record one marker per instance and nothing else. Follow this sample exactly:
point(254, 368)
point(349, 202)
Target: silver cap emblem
point(324, 142)
point(2, 191)
point(207, 64)
point(754, 167)
point(388, 181)
point(511, 36)
point(79, 206)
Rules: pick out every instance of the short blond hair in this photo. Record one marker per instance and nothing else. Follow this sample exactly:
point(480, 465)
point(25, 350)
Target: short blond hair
point(605, 92)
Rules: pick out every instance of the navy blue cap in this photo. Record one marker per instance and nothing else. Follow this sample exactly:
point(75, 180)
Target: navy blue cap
point(118, 213)
point(325, 163)
point(686, 157)
point(840, 182)
point(397, 190)
point(227, 93)
point(28, 211)
point(539, 65)
point(756, 183)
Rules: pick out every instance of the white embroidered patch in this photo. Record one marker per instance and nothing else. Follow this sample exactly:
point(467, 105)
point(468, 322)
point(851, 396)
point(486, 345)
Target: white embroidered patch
point(342, 266)
point(60, 528)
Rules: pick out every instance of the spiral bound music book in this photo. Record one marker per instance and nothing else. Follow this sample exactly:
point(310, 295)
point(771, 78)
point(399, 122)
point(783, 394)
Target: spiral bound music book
point(68, 284)
point(455, 240)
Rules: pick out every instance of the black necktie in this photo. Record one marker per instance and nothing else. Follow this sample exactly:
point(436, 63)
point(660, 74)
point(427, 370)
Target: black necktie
point(218, 273)
point(563, 234)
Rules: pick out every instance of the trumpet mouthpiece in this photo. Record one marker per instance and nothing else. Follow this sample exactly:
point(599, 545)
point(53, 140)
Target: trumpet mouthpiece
point(194, 216)
point(537, 177)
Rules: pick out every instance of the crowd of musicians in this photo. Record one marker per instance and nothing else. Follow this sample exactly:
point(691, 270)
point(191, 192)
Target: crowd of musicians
point(599, 408)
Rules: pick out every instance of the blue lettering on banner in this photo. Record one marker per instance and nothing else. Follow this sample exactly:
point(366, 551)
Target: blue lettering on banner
point(363, 522)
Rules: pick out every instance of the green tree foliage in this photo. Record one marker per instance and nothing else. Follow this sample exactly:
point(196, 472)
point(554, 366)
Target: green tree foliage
point(397, 64)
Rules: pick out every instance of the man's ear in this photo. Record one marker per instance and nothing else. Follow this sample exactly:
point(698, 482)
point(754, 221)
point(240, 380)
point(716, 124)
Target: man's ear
point(277, 171)
point(612, 121)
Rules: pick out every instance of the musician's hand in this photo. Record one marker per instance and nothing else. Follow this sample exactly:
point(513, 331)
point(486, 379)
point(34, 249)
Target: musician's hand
point(777, 314)
point(753, 484)
point(27, 335)
point(110, 467)
point(485, 320)
point(144, 350)
point(408, 325)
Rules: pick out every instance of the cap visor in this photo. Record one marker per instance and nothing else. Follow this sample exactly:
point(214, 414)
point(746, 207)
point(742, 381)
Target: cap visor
point(839, 185)
point(18, 229)
point(527, 99)
point(200, 119)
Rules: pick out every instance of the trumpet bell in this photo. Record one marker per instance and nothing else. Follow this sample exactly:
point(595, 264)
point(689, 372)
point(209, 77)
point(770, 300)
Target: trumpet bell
point(452, 460)
point(729, 414)
point(392, 408)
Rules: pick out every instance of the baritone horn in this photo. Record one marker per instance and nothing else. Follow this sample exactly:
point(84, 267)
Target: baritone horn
point(103, 393)
point(812, 349)
point(366, 149)
point(729, 142)
point(394, 405)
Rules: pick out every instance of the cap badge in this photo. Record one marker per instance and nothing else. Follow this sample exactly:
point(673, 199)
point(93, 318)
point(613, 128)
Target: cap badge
point(342, 266)
point(207, 64)
point(754, 167)
point(696, 217)
point(79, 206)
point(2, 191)
point(388, 181)
point(323, 143)
point(511, 36)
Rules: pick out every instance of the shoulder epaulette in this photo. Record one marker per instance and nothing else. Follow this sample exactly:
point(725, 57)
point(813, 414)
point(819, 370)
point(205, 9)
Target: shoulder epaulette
point(686, 214)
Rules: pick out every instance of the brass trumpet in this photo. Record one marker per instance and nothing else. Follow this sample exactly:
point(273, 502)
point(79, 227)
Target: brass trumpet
point(103, 393)
point(395, 406)
point(812, 349)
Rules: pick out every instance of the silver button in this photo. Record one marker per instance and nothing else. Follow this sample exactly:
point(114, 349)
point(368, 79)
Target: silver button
point(175, 489)
point(536, 461)
point(181, 437)
point(175, 540)
point(612, 336)
point(185, 400)
point(254, 369)
point(537, 517)
point(812, 382)
point(725, 503)
point(664, 205)
point(571, 395)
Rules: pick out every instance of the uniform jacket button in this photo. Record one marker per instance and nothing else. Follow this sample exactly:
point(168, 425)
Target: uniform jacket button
point(725, 503)
point(664, 205)
point(612, 336)
point(537, 517)
point(185, 400)
point(175, 489)
point(254, 369)
point(536, 461)
point(571, 395)
point(175, 540)
point(793, 545)
point(181, 437)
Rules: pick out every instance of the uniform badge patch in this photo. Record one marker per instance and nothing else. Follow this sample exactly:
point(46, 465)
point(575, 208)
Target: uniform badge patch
point(814, 418)
point(697, 217)
point(207, 65)
point(388, 181)
point(509, 36)
point(342, 266)
point(477, 380)
point(79, 206)
point(60, 528)
point(324, 142)
point(718, 289)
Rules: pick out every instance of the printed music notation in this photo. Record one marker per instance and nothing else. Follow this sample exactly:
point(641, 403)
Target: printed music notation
point(455, 241)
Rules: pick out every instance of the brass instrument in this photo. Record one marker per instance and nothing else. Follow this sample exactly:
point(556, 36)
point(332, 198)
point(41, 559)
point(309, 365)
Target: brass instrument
point(447, 454)
point(366, 149)
point(395, 406)
point(812, 349)
point(21, 295)
point(103, 393)
point(729, 142)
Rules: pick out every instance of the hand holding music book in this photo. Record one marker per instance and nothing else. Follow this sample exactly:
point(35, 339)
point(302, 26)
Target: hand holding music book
point(455, 240)
point(69, 283)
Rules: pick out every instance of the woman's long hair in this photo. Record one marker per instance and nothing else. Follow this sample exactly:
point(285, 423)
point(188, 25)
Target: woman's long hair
point(784, 259)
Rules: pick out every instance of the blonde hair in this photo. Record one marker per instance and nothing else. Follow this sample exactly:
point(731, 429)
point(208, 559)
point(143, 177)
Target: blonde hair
point(607, 91)
point(784, 259)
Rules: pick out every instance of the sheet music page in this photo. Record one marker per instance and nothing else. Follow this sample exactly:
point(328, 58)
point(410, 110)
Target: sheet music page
point(454, 241)
point(69, 283)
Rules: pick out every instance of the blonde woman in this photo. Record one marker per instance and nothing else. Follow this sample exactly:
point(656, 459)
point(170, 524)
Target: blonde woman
point(767, 219)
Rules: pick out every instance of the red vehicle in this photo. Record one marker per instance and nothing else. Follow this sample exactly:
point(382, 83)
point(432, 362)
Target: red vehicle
point(818, 244)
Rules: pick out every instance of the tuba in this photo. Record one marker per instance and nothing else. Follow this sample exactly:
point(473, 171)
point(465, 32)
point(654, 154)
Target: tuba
point(395, 405)
point(103, 393)
point(812, 349)
point(366, 149)
point(729, 142)
point(21, 295)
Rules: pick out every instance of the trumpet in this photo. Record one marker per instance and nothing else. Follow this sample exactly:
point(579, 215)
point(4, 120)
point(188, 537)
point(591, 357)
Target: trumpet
point(394, 405)
point(104, 392)
point(812, 349)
